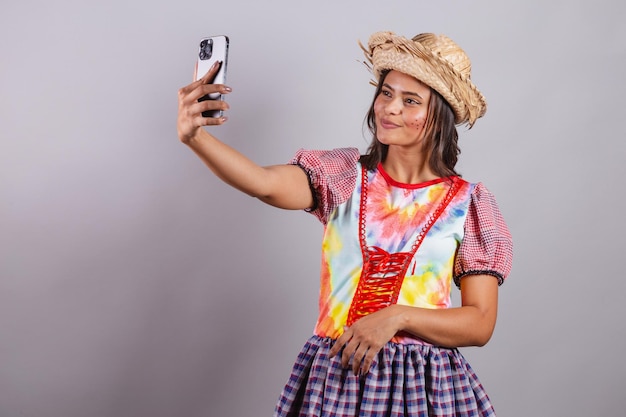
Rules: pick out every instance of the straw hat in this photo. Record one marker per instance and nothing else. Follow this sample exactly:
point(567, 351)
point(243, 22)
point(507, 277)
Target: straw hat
point(436, 61)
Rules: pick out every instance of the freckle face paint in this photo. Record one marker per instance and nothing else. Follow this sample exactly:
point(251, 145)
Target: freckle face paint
point(417, 123)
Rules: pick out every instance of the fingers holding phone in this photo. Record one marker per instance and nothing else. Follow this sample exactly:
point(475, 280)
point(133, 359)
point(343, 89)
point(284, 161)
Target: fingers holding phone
point(201, 103)
point(191, 107)
point(211, 67)
point(212, 93)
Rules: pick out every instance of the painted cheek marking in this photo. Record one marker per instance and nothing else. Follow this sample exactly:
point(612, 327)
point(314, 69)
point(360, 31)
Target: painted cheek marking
point(417, 124)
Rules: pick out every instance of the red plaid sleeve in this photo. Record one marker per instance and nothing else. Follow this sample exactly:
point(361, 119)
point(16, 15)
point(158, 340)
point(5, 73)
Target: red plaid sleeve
point(332, 177)
point(487, 246)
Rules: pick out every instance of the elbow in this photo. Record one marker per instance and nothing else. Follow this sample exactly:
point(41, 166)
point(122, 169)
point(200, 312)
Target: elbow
point(483, 339)
point(481, 327)
point(483, 332)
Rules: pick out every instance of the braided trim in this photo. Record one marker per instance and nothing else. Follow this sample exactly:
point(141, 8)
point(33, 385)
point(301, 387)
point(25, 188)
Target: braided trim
point(457, 279)
point(309, 176)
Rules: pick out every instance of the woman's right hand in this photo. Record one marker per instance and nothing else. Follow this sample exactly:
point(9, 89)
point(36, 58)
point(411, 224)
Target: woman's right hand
point(190, 119)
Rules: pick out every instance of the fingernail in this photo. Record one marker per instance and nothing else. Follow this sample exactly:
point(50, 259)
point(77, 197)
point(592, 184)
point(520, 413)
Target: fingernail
point(227, 89)
point(215, 64)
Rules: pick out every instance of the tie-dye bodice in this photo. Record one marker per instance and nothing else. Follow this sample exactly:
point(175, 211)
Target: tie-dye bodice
point(395, 218)
point(395, 242)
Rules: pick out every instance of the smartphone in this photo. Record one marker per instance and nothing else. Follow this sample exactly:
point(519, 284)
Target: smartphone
point(211, 49)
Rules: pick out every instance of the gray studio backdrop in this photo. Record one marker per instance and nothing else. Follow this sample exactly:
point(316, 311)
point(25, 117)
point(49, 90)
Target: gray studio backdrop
point(134, 283)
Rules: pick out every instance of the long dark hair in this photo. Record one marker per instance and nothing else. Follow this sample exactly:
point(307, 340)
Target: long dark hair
point(440, 138)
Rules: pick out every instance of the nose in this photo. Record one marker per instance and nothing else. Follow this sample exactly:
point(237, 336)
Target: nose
point(394, 106)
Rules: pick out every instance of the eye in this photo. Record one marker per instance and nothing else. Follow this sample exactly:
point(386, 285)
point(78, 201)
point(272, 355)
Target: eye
point(412, 101)
point(385, 93)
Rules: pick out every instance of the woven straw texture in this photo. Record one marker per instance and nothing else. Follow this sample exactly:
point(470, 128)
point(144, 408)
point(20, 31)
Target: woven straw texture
point(435, 60)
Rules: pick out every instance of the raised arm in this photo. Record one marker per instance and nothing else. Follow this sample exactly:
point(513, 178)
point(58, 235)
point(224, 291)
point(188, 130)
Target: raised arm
point(284, 186)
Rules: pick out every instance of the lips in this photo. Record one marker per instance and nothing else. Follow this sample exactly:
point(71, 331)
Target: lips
point(387, 124)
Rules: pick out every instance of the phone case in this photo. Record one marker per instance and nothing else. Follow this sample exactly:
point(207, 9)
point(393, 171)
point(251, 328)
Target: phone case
point(210, 50)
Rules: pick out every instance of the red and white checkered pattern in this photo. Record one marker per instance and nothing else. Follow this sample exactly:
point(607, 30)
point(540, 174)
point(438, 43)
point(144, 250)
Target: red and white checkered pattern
point(332, 175)
point(487, 247)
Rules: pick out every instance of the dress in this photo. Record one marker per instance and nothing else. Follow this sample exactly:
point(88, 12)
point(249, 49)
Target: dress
point(415, 240)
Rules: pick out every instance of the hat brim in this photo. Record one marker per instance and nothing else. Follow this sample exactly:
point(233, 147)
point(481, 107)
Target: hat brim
point(387, 51)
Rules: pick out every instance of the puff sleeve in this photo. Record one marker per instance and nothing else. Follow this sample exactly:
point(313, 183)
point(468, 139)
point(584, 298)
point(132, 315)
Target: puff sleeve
point(487, 246)
point(332, 177)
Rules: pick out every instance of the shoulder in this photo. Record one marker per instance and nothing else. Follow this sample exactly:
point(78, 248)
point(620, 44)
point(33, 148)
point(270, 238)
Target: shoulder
point(483, 199)
point(487, 246)
point(333, 159)
point(332, 176)
point(476, 192)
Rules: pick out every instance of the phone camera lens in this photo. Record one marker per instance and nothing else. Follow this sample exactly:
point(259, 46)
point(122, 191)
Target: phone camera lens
point(206, 49)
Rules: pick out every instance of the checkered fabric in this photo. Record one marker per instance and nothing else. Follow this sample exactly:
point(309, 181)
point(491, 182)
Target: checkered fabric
point(334, 182)
point(404, 380)
point(487, 246)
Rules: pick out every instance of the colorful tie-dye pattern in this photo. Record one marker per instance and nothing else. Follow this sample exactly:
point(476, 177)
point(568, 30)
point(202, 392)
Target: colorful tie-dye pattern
point(395, 214)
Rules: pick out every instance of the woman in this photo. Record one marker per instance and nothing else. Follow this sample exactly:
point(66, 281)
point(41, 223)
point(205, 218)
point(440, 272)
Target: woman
point(400, 226)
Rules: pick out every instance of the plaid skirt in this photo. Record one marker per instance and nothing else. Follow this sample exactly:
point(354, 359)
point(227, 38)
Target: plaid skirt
point(404, 380)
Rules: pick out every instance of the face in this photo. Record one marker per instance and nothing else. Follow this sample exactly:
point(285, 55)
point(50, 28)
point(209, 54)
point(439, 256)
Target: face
point(401, 110)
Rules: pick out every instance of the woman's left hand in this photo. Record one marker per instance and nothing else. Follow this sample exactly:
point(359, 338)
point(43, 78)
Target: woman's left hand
point(364, 339)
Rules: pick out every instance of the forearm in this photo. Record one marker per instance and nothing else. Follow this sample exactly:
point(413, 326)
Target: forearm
point(228, 164)
point(450, 327)
point(469, 325)
point(284, 186)
point(472, 324)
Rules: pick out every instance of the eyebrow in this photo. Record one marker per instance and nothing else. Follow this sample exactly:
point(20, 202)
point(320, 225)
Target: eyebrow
point(410, 93)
